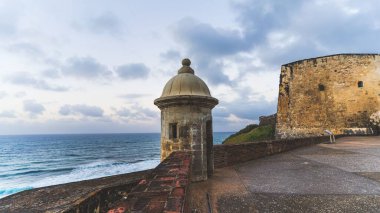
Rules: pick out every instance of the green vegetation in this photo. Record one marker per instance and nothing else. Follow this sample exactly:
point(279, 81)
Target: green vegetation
point(251, 133)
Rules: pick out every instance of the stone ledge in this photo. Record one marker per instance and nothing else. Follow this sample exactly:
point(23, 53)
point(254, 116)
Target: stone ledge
point(82, 196)
point(230, 154)
point(163, 190)
point(334, 55)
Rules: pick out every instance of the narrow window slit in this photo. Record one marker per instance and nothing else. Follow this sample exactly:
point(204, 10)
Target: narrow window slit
point(173, 131)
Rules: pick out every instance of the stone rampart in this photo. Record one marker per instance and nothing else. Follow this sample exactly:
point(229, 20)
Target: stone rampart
point(336, 93)
point(163, 190)
point(227, 155)
point(267, 120)
point(84, 196)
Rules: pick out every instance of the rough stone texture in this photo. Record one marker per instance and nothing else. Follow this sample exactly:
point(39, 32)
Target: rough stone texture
point(227, 155)
point(186, 120)
point(307, 179)
point(191, 123)
point(163, 190)
point(268, 120)
point(342, 107)
point(84, 196)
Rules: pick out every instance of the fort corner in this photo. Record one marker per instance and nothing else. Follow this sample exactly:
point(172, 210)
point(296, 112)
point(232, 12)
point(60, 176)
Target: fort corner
point(336, 93)
point(186, 120)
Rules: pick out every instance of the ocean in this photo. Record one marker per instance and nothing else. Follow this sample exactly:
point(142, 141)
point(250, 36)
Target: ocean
point(32, 161)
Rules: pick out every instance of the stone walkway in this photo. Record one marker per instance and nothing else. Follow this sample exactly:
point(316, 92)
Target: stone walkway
point(341, 177)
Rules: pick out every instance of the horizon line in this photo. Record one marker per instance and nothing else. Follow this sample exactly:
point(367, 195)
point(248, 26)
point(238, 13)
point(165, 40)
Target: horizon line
point(104, 133)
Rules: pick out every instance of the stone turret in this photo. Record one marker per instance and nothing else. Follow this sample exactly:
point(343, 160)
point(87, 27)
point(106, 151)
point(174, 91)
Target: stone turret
point(186, 120)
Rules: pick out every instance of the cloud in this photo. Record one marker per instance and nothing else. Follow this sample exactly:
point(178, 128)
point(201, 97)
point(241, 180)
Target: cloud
point(241, 107)
point(269, 34)
point(282, 36)
point(207, 45)
point(132, 71)
point(84, 67)
point(171, 55)
point(205, 39)
point(245, 109)
point(235, 119)
point(133, 96)
point(20, 94)
point(237, 114)
point(51, 73)
point(105, 23)
point(136, 113)
point(279, 32)
point(75, 126)
point(7, 114)
point(26, 48)
point(212, 70)
point(25, 79)
point(3, 94)
point(8, 21)
point(33, 107)
point(81, 109)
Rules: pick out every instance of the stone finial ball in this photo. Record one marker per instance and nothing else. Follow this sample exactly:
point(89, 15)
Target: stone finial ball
point(186, 62)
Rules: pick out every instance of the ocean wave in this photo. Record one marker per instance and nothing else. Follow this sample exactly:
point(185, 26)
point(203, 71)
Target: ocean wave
point(32, 172)
point(6, 192)
point(97, 169)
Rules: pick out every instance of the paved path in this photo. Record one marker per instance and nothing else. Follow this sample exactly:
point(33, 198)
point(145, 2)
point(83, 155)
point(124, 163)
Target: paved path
point(341, 177)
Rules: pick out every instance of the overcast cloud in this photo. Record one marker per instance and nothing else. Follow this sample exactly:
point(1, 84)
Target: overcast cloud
point(132, 71)
point(105, 23)
point(24, 78)
point(108, 61)
point(84, 67)
point(7, 114)
point(33, 108)
point(81, 109)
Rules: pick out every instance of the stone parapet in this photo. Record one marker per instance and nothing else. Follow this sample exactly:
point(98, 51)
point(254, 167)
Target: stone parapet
point(227, 155)
point(184, 100)
point(84, 196)
point(267, 120)
point(163, 190)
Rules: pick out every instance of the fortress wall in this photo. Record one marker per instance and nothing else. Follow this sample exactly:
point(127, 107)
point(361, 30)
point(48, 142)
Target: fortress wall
point(322, 93)
point(228, 155)
point(267, 120)
point(83, 196)
point(163, 190)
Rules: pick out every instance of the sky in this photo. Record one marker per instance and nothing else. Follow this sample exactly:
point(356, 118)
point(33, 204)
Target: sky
point(95, 66)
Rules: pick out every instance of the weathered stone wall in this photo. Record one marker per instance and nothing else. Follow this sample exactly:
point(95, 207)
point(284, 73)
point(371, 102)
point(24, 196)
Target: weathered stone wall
point(85, 196)
point(228, 155)
point(192, 134)
point(322, 93)
point(267, 120)
point(163, 190)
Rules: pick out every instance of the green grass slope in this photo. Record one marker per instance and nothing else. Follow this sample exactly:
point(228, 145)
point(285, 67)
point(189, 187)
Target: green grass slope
point(251, 133)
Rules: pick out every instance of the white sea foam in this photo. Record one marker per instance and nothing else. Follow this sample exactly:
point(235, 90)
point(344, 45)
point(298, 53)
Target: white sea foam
point(6, 192)
point(92, 170)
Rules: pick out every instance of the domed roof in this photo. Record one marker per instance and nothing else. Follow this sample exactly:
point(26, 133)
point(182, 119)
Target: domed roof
point(185, 83)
